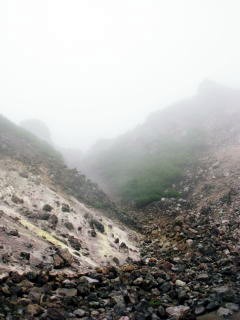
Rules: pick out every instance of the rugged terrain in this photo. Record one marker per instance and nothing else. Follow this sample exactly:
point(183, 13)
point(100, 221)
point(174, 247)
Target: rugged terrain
point(189, 266)
point(67, 251)
point(53, 217)
point(36, 218)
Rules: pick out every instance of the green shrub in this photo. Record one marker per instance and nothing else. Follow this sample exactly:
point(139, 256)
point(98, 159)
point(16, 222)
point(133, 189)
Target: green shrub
point(154, 175)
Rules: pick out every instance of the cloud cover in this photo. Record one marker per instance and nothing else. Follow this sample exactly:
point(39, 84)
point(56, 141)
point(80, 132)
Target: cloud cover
point(95, 68)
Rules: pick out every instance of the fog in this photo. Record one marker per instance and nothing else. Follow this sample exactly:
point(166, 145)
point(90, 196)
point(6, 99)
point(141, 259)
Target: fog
point(94, 69)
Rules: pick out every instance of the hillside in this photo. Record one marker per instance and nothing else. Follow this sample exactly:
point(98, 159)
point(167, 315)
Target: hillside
point(61, 259)
point(65, 252)
point(50, 216)
point(21, 145)
point(40, 157)
point(37, 128)
point(149, 162)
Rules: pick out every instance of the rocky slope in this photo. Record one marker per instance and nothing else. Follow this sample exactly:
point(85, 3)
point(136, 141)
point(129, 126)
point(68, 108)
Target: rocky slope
point(47, 221)
point(197, 238)
point(37, 219)
point(70, 261)
point(189, 267)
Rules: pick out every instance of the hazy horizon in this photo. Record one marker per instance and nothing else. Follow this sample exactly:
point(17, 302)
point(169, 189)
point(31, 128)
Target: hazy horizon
point(95, 69)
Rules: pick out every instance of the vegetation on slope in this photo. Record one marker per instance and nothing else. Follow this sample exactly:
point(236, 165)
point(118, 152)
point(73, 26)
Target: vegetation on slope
point(141, 175)
point(144, 164)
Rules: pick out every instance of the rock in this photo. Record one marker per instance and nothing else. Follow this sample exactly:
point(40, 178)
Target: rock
point(6, 257)
point(67, 292)
point(75, 243)
point(225, 293)
point(66, 256)
point(35, 294)
point(116, 261)
point(41, 216)
point(69, 226)
point(79, 313)
point(161, 311)
point(58, 262)
point(53, 220)
point(178, 312)
point(202, 277)
point(25, 255)
point(152, 262)
point(232, 306)
point(155, 292)
point(199, 310)
point(123, 247)
point(4, 276)
point(180, 283)
point(223, 312)
point(13, 233)
point(165, 287)
point(55, 314)
point(90, 280)
point(97, 224)
point(94, 313)
point(93, 233)
point(65, 207)
point(24, 174)
point(212, 305)
point(47, 208)
point(138, 281)
point(34, 310)
point(16, 199)
point(189, 243)
point(128, 268)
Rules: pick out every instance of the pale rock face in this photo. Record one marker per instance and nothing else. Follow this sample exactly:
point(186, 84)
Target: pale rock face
point(43, 229)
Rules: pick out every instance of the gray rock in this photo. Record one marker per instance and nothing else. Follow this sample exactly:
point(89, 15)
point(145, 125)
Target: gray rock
point(224, 312)
point(67, 292)
point(178, 312)
point(232, 306)
point(199, 310)
point(47, 208)
point(79, 313)
point(65, 207)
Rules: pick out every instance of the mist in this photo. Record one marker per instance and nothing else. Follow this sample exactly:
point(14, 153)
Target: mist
point(95, 69)
point(119, 159)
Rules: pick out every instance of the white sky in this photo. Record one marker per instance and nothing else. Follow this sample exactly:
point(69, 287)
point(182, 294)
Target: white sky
point(95, 68)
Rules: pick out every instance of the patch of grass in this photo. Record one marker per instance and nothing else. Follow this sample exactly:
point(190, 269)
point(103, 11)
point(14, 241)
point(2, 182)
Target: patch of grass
point(142, 169)
point(154, 303)
point(156, 180)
